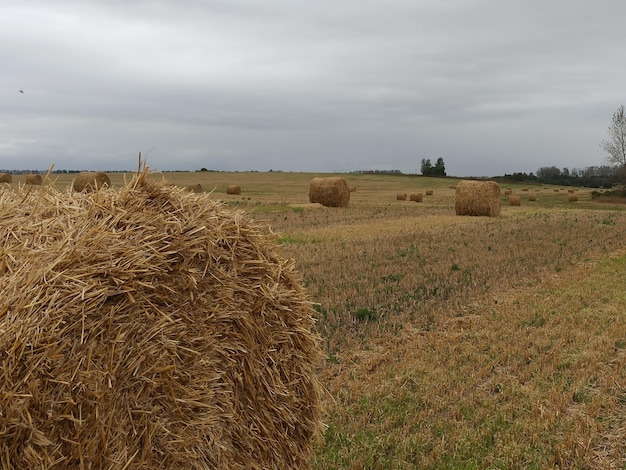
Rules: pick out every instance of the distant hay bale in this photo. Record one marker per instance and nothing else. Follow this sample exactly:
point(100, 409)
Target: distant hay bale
point(90, 181)
point(508, 192)
point(524, 189)
point(453, 186)
point(532, 197)
point(233, 189)
point(477, 198)
point(556, 190)
point(571, 190)
point(353, 189)
point(33, 179)
point(330, 192)
point(572, 198)
point(429, 192)
point(194, 188)
point(6, 178)
point(149, 328)
point(416, 197)
point(515, 200)
point(401, 197)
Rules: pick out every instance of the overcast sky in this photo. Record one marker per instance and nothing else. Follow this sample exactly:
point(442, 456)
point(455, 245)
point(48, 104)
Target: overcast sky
point(491, 86)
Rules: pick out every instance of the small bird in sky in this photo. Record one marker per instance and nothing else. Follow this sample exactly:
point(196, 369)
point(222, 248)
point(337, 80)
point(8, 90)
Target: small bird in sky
point(21, 91)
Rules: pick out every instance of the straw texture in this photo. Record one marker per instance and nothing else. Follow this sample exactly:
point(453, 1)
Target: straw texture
point(32, 179)
point(90, 181)
point(515, 200)
point(148, 327)
point(194, 188)
point(477, 198)
point(330, 192)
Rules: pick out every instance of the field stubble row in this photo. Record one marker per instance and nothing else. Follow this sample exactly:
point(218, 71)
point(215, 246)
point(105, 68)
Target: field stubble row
point(425, 368)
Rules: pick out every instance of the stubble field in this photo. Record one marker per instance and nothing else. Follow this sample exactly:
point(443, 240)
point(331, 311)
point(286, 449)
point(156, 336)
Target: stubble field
point(455, 342)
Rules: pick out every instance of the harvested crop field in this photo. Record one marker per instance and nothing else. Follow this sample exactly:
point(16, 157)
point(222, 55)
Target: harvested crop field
point(454, 341)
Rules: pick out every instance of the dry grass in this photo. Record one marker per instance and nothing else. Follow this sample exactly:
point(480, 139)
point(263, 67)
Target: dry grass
point(330, 192)
point(458, 342)
point(420, 357)
point(34, 180)
point(233, 189)
point(515, 200)
point(150, 328)
point(477, 198)
point(91, 181)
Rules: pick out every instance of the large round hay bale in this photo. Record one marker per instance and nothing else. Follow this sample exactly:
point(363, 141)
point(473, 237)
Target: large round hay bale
point(532, 197)
point(515, 200)
point(416, 197)
point(150, 328)
point(330, 192)
point(6, 178)
point(572, 198)
point(477, 198)
point(429, 192)
point(233, 189)
point(90, 181)
point(194, 188)
point(401, 197)
point(33, 179)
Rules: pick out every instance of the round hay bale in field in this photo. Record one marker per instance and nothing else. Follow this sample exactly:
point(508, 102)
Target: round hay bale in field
point(401, 197)
point(6, 178)
point(150, 328)
point(416, 197)
point(330, 192)
point(508, 192)
point(233, 189)
point(35, 180)
point(429, 192)
point(353, 189)
point(194, 188)
point(571, 190)
point(556, 190)
point(90, 181)
point(532, 197)
point(572, 198)
point(515, 200)
point(477, 198)
point(524, 189)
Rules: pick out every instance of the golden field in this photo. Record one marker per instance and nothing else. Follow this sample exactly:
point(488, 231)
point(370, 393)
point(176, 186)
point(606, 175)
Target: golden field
point(454, 342)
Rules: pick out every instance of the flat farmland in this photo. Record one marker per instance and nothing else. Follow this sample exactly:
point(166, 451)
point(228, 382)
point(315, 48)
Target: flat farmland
point(454, 342)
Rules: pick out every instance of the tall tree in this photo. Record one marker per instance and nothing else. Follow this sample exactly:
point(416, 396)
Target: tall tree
point(427, 167)
point(439, 168)
point(615, 146)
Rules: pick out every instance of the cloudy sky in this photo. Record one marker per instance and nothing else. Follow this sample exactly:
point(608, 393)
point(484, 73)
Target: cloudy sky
point(491, 86)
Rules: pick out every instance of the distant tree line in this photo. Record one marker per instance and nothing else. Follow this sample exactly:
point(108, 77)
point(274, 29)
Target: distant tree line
point(592, 176)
